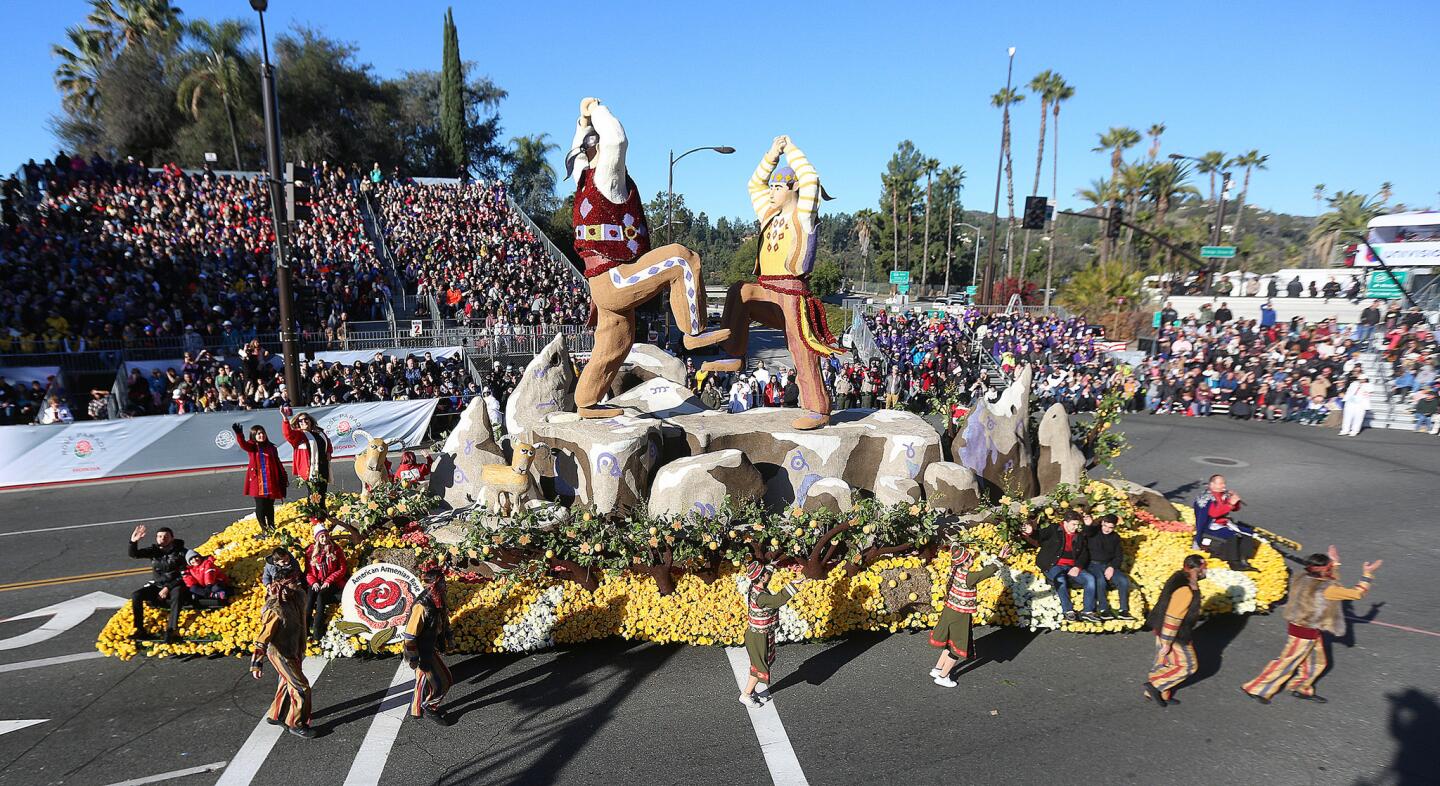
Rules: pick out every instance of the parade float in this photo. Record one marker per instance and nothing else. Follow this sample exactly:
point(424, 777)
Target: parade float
point(619, 505)
point(637, 526)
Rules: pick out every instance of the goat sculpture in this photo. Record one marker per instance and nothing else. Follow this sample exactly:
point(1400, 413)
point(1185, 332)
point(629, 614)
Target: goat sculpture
point(512, 484)
point(372, 465)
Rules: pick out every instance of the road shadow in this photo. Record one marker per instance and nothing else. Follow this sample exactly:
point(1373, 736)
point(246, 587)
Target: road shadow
point(1210, 641)
point(561, 712)
point(820, 667)
point(998, 646)
point(1182, 492)
point(1414, 717)
point(1352, 619)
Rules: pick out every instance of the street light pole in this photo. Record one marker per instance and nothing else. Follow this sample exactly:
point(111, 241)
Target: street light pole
point(974, 265)
point(723, 150)
point(274, 185)
point(999, 170)
point(949, 244)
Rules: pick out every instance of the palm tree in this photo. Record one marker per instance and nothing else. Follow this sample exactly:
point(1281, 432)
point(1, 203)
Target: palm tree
point(215, 67)
point(1129, 188)
point(1002, 99)
point(1043, 85)
point(1250, 160)
point(1098, 194)
point(1117, 140)
point(1318, 194)
point(81, 64)
point(1059, 94)
point(930, 166)
point(531, 175)
point(132, 22)
point(863, 231)
point(1165, 186)
point(1387, 189)
point(1105, 293)
point(1211, 164)
point(1155, 132)
point(1350, 213)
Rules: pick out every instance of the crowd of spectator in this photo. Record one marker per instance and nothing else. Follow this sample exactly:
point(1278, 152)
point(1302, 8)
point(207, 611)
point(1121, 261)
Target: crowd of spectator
point(463, 245)
point(1272, 370)
point(119, 255)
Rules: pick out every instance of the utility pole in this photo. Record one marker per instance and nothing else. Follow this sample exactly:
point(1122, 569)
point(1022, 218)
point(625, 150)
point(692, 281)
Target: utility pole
point(999, 171)
point(274, 186)
point(949, 243)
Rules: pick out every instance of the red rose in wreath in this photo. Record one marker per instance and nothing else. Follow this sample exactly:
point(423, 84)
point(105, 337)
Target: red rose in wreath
point(382, 603)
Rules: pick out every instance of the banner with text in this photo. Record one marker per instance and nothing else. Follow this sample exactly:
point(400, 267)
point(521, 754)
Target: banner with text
point(108, 449)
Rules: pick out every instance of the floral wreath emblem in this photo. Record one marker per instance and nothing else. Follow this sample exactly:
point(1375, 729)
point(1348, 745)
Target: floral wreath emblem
point(377, 602)
point(225, 440)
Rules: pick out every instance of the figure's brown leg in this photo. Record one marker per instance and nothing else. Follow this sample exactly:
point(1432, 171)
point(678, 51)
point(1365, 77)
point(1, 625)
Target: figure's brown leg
point(673, 266)
point(813, 396)
point(744, 303)
point(614, 335)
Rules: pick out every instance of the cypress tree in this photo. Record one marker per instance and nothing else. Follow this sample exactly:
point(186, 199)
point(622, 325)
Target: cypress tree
point(452, 101)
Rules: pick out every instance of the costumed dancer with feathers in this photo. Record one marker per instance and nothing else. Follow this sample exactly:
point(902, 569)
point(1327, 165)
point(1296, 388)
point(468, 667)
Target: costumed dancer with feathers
point(282, 642)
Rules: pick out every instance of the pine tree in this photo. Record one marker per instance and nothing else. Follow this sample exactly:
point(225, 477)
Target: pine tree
point(452, 101)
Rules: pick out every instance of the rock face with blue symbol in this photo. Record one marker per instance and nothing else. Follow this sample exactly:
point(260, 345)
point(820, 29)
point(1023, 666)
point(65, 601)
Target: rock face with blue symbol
point(699, 485)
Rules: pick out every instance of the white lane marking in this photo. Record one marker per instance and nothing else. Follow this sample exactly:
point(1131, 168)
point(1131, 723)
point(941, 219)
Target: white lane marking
point(242, 769)
point(63, 616)
point(172, 775)
point(55, 661)
point(123, 521)
point(774, 742)
point(7, 726)
point(375, 750)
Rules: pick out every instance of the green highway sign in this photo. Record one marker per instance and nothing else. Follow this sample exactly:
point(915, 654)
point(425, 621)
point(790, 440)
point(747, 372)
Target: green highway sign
point(903, 288)
point(1217, 252)
point(1382, 286)
point(971, 291)
point(899, 276)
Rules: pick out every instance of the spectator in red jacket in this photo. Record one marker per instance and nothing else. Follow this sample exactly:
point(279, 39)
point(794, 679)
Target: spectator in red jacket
point(412, 469)
point(265, 478)
point(325, 575)
point(312, 449)
point(202, 578)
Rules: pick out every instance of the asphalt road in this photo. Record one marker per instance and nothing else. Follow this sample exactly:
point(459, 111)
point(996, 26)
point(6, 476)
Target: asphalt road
point(857, 710)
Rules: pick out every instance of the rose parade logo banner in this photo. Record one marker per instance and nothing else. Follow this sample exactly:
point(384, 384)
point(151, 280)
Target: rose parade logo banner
point(377, 602)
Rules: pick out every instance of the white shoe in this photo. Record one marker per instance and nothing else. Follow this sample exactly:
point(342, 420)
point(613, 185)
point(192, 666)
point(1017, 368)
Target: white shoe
point(945, 682)
point(934, 673)
point(750, 701)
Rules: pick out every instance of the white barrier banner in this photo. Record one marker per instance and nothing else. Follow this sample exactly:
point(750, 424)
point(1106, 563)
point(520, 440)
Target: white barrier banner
point(24, 375)
point(162, 444)
point(347, 357)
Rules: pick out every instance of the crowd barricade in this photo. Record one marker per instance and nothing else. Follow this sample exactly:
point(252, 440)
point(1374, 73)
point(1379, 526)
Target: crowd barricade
point(24, 375)
point(139, 447)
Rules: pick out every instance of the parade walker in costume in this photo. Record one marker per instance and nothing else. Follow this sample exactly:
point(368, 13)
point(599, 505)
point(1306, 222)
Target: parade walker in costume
point(1312, 611)
point(1173, 619)
point(763, 610)
point(282, 642)
point(427, 634)
point(613, 239)
point(962, 598)
point(786, 202)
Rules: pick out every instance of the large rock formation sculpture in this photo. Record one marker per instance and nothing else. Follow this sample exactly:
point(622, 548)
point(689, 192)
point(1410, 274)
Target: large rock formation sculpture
point(951, 488)
point(646, 362)
point(1059, 460)
point(995, 441)
point(547, 386)
point(456, 473)
point(832, 494)
point(699, 484)
point(606, 463)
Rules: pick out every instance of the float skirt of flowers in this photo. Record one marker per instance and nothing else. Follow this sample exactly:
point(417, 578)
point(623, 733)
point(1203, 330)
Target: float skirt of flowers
point(525, 614)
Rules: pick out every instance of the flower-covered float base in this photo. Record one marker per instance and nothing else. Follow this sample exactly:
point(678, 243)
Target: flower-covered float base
point(529, 609)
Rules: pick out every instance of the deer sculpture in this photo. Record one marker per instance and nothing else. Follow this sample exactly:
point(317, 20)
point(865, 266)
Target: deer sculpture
point(372, 465)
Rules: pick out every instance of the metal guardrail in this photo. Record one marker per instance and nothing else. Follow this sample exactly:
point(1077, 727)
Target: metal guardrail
point(559, 256)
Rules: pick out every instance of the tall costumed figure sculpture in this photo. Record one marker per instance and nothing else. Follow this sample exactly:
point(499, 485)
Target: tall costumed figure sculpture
point(785, 201)
point(613, 239)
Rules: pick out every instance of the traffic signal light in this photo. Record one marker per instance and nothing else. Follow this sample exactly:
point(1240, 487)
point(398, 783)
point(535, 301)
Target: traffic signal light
point(1037, 212)
point(298, 193)
point(1113, 221)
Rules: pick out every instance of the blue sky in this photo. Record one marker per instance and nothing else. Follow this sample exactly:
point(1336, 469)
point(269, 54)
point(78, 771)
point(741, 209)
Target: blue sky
point(848, 80)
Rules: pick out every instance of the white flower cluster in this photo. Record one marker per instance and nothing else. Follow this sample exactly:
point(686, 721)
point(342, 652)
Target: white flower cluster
point(336, 644)
point(1240, 588)
point(1036, 604)
point(535, 630)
